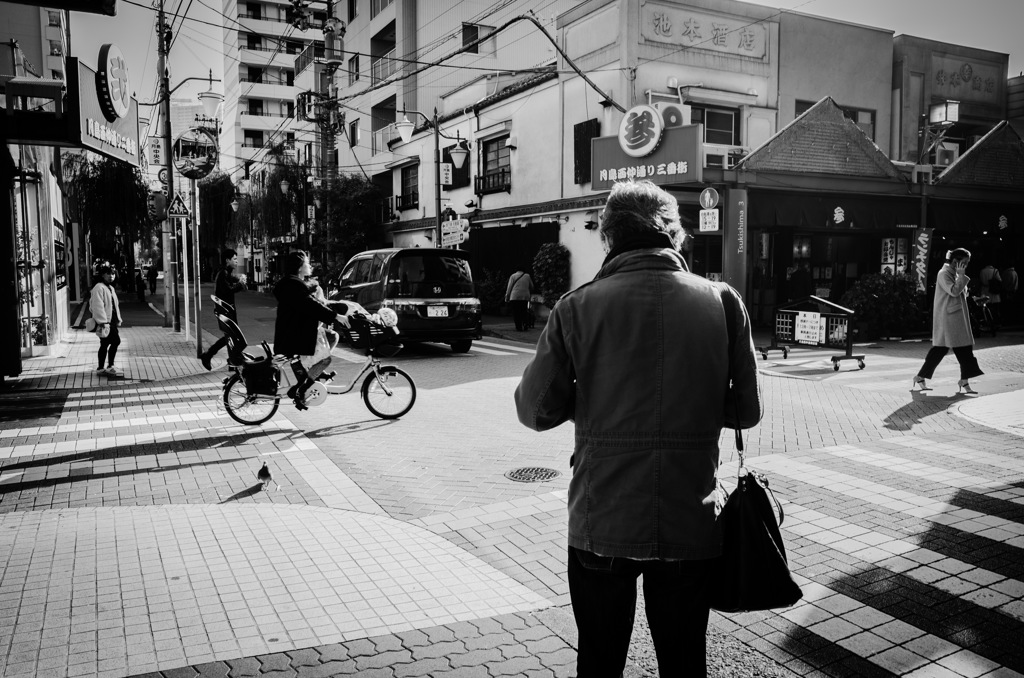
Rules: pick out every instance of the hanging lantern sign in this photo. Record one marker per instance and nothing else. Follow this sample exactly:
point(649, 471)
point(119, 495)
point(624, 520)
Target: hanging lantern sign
point(195, 153)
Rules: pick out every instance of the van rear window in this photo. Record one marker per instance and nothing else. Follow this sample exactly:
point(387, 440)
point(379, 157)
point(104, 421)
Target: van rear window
point(430, 276)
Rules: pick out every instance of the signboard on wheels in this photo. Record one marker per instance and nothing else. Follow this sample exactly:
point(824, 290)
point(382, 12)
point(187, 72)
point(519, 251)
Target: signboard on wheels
point(809, 328)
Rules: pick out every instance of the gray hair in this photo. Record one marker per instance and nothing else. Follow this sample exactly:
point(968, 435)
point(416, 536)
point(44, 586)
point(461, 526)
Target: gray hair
point(639, 207)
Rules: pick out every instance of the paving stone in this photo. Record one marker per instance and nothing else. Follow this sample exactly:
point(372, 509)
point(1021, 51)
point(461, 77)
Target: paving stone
point(464, 630)
point(336, 652)
point(511, 622)
point(183, 672)
point(287, 673)
point(442, 649)
point(390, 642)
point(213, 670)
point(550, 644)
point(361, 648)
point(464, 672)
point(476, 658)
point(489, 640)
point(306, 657)
point(487, 625)
point(384, 659)
point(439, 634)
point(562, 657)
point(531, 633)
point(513, 667)
point(345, 667)
point(422, 667)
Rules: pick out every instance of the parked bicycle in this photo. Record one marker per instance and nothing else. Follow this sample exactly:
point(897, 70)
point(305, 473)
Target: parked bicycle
point(252, 392)
point(981, 315)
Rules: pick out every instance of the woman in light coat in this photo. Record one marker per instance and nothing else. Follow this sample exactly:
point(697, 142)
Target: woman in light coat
point(951, 323)
point(106, 311)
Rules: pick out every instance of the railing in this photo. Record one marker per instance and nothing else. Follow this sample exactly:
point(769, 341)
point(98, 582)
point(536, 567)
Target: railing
point(257, 17)
point(267, 114)
point(407, 201)
point(252, 144)
point(264, 81)
point(383, 68)
point(307, 56)
point(381, 138)
point(378, 6)
point(495, 181)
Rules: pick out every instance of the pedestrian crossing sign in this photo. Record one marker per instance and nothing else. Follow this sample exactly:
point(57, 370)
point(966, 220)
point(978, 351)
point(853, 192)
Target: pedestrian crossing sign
point(178, 208)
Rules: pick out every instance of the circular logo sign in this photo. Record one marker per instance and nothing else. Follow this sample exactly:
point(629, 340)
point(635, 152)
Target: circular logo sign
point(640, 131)
point(195, 152)
point(708, 198)
point(162, 175)
point(114, 88)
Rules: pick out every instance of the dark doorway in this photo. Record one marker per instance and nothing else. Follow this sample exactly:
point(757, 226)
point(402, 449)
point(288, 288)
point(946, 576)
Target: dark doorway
point(503, 249)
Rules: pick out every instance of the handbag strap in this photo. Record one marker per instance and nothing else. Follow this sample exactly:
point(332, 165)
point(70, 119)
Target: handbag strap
point(729, 304)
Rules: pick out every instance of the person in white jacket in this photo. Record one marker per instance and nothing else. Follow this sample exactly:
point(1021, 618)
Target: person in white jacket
point(106, 312)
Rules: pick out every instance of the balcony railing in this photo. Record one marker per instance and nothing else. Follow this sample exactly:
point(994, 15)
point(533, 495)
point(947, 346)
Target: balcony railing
point(383, 68)
point(260, 17)
point(267, 114)
point(265, 81)
point(381, 138)
point(407, 201)
point(495, 181)
point(307, 56)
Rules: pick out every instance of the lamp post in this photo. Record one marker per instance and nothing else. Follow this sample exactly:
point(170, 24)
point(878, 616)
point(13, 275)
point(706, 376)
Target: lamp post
point(459, 155)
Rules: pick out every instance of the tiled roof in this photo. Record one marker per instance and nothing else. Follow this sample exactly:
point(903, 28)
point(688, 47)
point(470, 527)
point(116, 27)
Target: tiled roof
point(997, 160)
point(821, 141)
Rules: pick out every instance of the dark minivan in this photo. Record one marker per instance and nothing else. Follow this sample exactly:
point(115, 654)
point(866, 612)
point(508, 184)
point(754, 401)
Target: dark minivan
point(431, 290)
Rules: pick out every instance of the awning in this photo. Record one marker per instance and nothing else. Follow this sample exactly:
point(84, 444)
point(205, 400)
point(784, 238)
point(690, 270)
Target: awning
point(833, 212)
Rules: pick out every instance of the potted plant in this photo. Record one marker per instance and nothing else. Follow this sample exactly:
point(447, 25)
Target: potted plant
point(886, 305)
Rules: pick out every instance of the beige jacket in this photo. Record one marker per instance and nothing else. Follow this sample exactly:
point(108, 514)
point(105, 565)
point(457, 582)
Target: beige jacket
point(103, 302)
point(951, 323)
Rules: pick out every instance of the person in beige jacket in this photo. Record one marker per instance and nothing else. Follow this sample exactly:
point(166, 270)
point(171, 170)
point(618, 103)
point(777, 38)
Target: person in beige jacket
point(951, 323)
point(106, 312)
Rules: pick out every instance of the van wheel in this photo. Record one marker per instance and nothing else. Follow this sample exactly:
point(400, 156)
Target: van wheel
point(461, 346)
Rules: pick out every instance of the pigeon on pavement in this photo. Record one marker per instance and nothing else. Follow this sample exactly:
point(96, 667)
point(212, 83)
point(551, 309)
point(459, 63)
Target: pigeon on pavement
point(266, 477)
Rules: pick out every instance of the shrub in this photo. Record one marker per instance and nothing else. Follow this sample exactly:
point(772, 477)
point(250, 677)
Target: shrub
point(551, 271)
point(891, 304)
point(491, 290)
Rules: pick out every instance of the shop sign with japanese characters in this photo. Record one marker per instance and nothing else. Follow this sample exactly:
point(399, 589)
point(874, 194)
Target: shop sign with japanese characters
point(684, 27)
point(675, 159)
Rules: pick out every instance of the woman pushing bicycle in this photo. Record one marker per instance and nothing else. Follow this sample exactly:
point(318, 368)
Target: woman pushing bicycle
point(299, 314)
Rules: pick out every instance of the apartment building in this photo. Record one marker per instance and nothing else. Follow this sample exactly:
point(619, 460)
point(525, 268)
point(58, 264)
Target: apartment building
point(260, 47)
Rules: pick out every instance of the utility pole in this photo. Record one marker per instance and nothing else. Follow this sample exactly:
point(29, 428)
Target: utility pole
point(169, 240)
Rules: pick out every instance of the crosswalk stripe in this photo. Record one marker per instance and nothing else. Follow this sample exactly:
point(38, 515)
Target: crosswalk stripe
point(507, 347)
point(960, 453)
point(487, 351)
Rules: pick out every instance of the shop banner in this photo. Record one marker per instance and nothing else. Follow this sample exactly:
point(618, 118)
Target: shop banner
point(922, 249)
point(734, 250)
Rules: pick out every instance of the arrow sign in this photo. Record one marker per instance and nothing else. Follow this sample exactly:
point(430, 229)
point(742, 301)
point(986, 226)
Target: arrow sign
point(178, 208)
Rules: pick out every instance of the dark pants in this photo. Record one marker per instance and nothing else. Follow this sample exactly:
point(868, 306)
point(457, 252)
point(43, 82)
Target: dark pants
point(520, 312)
point(964, 355)
point(603, 593)
point(152, 286)
point(223, 341)
point(108, 347)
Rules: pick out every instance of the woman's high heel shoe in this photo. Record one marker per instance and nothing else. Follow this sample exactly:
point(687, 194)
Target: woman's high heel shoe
point(919, 381)
point(965, 387)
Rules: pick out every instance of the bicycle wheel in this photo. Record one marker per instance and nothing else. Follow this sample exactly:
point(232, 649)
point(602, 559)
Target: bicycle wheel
point(245, 408)
point(396, 400)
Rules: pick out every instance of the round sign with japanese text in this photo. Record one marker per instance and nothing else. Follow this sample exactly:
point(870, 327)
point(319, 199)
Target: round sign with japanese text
point(195, 152)
point(640, 131)
point(112, 83)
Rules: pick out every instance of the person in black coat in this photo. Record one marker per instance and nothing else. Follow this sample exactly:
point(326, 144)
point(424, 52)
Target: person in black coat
point(227, 283)
point(299, 314)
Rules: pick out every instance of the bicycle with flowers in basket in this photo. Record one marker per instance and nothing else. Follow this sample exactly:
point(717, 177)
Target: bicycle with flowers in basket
point(252, 393)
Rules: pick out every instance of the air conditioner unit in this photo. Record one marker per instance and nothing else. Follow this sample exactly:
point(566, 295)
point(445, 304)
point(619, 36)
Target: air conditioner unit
point(673, 114)
point(947, 153)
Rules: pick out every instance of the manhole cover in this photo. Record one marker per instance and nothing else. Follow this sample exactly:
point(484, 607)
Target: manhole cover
point(532, 474)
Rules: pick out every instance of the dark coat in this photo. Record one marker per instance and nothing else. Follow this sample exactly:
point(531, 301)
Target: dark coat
point(298, 316)
point(227, 283)
point(639, 360)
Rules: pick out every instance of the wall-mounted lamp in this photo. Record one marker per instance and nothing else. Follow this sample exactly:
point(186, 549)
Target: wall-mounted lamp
point(511, 144)
point(470, 203)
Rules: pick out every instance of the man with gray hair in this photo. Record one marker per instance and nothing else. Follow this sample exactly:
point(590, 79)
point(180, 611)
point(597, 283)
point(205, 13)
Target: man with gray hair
point(639, 358)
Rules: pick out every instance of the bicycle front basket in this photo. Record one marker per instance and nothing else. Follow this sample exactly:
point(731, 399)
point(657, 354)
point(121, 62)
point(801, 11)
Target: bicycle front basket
point(261, 377)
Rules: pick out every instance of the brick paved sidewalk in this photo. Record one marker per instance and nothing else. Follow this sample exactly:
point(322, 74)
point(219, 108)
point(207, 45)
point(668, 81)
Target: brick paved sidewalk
point(125, 546)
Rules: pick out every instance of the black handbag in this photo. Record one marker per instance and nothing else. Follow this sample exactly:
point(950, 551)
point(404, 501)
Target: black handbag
point(752, 573)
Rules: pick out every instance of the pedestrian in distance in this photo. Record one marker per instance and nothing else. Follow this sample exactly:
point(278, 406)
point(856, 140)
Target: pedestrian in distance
point(639, 360)
point(517, 296)
point(106, 313)
point(151, 278)
point(951, 323)
point(140, 285)
point(226, 284)
point(992, 287)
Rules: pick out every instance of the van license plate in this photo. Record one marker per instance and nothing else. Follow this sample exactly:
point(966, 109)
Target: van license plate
point(437, 311)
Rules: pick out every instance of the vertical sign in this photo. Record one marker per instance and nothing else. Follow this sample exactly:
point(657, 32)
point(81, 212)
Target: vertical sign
point(734, 252)
point(921, 250)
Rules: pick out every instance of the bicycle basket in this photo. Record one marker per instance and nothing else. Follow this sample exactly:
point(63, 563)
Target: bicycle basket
point(261, 377)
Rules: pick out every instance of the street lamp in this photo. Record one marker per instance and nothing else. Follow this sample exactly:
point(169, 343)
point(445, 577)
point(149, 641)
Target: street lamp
point(459, 155)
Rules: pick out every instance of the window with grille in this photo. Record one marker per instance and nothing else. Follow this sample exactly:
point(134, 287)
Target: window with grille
point(583, 133)
point(353, 133)
point(253, 139)
point(495, 167)
point(721, 125)
point(410, 196)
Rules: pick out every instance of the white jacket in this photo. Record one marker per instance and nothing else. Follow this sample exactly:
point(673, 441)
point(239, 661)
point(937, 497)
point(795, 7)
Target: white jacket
point(103, 303)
